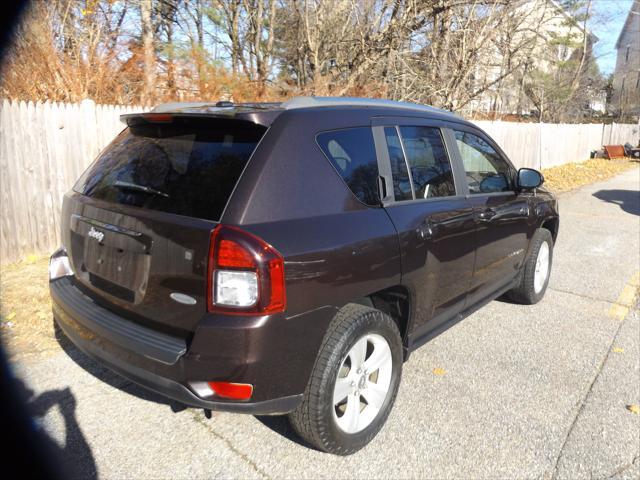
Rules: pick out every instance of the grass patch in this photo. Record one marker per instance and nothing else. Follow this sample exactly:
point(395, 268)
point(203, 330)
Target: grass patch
point(26, 322)
point(573, 175)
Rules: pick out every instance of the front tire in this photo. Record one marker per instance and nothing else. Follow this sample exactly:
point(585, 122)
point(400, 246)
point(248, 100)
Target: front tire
point(536, 270)
point(354, 382)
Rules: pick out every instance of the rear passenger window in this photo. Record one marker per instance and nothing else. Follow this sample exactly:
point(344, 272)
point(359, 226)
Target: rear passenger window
point(428, 162)
point(399, 172)
point(352, 152)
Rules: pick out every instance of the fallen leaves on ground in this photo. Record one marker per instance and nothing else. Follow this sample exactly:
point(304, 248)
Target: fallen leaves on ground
point(618, 350)
point(633, 408)
point(439, 371)
point(26, 322)
point(573, 175)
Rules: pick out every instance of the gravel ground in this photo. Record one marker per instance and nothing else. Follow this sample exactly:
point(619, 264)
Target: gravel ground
point(527, 392)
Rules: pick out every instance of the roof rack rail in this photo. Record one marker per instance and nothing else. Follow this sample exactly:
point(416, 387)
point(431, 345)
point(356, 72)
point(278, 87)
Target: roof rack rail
point(309, 102)
point(300, 102)
point(212, 105)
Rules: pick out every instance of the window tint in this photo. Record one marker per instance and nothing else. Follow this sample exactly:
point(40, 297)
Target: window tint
point(353, 154)
point(486, 171)
point(184, 167)
point(428, 162)
point(399, 172)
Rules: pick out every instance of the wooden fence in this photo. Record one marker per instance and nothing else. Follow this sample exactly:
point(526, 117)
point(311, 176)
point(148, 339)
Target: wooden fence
point(43, 150)
point(544, 145)
point(45, 147)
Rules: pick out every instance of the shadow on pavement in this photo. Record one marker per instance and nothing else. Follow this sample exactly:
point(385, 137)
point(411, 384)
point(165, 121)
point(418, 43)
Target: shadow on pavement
point(280, 425)
point(75, 458)
point(628, 200)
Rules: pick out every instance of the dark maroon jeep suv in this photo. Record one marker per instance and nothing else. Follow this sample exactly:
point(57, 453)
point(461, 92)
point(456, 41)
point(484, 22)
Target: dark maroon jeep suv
point(286, 258)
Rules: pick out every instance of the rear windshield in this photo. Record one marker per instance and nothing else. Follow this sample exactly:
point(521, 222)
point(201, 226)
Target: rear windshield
point(185, 167)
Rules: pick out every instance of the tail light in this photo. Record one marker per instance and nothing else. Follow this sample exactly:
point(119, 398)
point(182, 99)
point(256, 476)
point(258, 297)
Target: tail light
point(245, 274)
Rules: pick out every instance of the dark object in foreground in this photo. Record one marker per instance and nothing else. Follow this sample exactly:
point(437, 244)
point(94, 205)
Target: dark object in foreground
point(287, 258)
point(631, 151)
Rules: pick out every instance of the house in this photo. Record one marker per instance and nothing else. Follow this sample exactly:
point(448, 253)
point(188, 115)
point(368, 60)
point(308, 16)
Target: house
point(625, 96)
point(543, 36)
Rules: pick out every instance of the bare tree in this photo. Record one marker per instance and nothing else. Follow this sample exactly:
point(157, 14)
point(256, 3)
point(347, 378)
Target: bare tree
point(149, 51)
point(464, 55)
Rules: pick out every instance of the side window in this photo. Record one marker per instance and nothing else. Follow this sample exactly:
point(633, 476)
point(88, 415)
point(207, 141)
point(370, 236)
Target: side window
point(399, 172)
point(352, 152)
point(486, 170)
point(428, 162)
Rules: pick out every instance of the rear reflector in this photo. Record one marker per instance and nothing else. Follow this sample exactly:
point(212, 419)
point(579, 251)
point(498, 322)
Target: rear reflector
point(234, 391)
point(229, 390)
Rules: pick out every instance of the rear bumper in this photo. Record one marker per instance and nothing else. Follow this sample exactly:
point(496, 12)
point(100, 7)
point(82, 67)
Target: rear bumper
point(166, 364)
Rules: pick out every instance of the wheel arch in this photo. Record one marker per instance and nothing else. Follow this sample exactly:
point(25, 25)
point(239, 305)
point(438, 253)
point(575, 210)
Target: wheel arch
point(551, 224)
point(395, 301)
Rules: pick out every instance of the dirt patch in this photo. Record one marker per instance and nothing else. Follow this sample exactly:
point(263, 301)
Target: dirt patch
point(573, 175)
point(26, 322)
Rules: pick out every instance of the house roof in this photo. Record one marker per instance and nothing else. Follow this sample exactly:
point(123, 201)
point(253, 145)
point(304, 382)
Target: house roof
point(634, 10)
point(564, 13)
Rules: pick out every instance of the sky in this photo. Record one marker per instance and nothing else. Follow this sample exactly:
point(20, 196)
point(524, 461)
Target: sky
point(606, 23)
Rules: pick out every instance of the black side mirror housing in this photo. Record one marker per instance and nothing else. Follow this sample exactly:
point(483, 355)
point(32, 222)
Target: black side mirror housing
point(529, 179)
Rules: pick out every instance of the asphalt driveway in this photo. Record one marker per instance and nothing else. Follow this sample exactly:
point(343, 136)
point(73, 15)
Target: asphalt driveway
point(512, 391)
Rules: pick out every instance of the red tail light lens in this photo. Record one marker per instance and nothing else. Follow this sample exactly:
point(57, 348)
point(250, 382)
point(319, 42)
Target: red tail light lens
point(276, 277)
point(245, 274)
point(230, 254)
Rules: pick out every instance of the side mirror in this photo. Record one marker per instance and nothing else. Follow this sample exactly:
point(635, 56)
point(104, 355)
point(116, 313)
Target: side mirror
point(528, 179)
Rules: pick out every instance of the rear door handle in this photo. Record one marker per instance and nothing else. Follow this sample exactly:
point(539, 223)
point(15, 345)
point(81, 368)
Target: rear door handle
point(486, 215)
point(426, 230)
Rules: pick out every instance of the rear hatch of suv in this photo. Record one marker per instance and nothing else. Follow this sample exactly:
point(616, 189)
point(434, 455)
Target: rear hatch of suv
point(137, 225)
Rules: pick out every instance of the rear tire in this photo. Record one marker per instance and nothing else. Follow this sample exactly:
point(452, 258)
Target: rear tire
point(354, 382)
point(536, 270)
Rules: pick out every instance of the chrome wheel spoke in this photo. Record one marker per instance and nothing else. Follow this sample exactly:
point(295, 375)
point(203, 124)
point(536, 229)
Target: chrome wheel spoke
point(381, 355)
point(358, 353)
point(352, 413)
point(342, 389)
point(375, 395)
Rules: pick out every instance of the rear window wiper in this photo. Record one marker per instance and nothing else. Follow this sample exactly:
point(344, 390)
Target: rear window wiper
point(140, 188)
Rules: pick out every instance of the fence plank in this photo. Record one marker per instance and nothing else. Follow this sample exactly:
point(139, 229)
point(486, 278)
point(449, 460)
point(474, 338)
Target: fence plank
point(44, 148)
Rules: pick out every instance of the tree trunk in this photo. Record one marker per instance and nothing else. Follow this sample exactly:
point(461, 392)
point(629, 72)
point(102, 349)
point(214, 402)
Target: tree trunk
point(149, 52)
point(202, 80)
point(171, 67)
